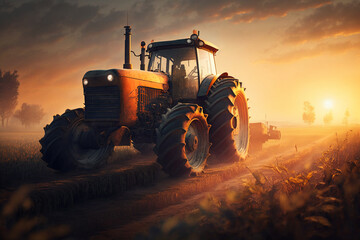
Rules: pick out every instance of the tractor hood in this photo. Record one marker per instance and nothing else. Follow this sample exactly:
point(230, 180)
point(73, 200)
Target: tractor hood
point(119, 95)
point(154, 77)
point(112, 76)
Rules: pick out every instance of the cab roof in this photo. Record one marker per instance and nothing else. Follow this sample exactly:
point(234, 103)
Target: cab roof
point(187, 42)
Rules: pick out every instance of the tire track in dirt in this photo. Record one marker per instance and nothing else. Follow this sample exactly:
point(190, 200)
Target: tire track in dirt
point(121, 217)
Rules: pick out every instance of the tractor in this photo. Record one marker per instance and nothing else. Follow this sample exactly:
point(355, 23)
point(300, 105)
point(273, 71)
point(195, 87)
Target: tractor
point(261, 133)
point(180, 105)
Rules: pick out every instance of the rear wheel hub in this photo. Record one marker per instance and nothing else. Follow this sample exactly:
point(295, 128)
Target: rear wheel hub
point(191, 141)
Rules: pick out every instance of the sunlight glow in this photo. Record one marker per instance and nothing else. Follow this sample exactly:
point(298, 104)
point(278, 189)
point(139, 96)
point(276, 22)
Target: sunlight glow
point(328, 104)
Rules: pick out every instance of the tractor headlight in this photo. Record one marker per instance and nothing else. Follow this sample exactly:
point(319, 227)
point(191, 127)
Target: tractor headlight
point(189, 41)
point(194, 37)
point(110, 77)
point(150, 45)
point(201, 43)
point(85, 81)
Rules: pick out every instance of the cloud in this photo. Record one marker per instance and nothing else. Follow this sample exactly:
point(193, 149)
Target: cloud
point(39, 36)
point(240, 10)
point(52, 42)
point(264, 9)
point(326, 22)
point(45, 21)
point(43, 24)
point(54, 24)
point(318, 49)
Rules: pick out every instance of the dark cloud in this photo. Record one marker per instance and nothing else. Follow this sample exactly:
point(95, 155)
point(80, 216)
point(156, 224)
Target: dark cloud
point(142, 16)
point(240, 10)
point(36, 34)
point(5, 5)
point(327, 21)
point(42, 23)
point(104, 23)
point(187, 14)
point(41, 26)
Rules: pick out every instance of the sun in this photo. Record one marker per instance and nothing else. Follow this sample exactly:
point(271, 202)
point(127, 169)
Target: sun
point(328, 104)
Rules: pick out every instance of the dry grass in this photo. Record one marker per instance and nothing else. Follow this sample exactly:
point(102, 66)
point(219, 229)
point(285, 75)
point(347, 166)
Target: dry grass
point(20, 163)
point(319, 204)
point(284, 209)
point(20, 160)
point(33, 228)
point(65, 193)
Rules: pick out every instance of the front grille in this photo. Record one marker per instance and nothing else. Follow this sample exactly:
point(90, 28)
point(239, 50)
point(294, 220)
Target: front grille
point(102, 103)
point(145, 97)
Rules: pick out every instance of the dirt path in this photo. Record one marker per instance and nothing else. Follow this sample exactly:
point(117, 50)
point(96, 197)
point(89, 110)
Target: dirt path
point(303, 160)
point(121, 217)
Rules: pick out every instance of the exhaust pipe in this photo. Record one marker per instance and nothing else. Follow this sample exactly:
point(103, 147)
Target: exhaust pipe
point(142, 56)
point(127, 64)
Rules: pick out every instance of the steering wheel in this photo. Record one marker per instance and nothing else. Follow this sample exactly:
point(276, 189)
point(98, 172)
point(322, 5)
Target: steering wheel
point(192, 74)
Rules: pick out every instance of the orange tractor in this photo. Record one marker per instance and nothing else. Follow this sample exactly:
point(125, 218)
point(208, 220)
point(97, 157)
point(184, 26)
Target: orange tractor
point(261, 133)
point(180, 104)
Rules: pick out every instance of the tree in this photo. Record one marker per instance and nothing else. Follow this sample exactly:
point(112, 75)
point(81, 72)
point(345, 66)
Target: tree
point(29, 114)
point(346, 117)
point(9, 86)
point(328, 118)
point(309, 114)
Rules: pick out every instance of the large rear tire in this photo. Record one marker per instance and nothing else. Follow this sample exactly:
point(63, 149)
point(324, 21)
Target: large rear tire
point(60, 145)
point(182, 142)
point(228, 116)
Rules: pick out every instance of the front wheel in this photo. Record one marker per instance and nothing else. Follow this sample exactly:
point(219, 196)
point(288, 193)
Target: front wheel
point(182, 142)
point(61, 146)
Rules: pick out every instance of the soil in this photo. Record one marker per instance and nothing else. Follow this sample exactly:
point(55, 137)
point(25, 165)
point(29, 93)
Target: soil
point(124, 215)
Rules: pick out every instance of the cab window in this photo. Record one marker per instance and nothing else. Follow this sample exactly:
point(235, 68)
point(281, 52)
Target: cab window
point(180, 64)
point(206, 63)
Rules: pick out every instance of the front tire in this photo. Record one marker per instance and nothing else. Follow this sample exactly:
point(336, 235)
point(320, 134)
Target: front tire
point(60, 146)
point(183, 140)
point(228, 116)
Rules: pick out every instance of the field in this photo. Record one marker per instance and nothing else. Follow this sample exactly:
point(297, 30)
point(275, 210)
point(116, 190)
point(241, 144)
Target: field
point(320, 203)
point(20, 160)
point(131, 193)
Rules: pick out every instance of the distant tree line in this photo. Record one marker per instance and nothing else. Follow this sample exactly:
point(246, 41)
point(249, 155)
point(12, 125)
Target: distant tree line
point(309, 115)
point(9, 86)
point(328, 118)
point(346, 117)
point(28, 114)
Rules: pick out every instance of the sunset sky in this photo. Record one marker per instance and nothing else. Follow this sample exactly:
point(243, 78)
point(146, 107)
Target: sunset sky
point(285, 52)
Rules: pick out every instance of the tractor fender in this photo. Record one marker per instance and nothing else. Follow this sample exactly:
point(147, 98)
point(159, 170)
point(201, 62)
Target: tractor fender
point(207, 83)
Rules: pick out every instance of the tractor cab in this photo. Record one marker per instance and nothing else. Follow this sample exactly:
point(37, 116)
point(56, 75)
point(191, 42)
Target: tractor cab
point(187, 62)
